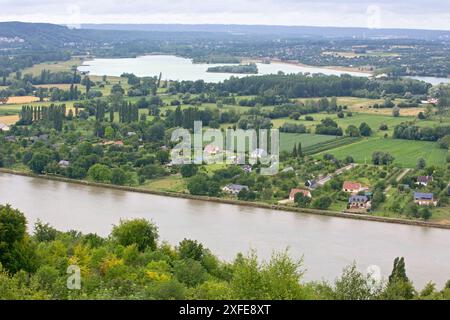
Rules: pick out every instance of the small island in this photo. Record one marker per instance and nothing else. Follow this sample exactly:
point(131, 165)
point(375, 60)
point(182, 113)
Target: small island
point(250, 68)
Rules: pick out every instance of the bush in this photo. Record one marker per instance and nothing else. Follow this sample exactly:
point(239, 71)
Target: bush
point(139, 232)
point(188, 170)
point(323, 203)
point(99, 173)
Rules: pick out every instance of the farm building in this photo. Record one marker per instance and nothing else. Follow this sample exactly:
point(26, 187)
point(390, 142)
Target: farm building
point(424, 199)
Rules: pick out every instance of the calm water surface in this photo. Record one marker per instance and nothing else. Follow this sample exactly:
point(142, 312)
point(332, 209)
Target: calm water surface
point(327, 244)
point(176, 68)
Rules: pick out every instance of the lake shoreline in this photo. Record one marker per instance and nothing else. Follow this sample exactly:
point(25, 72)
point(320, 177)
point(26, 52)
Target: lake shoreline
point(288, 67)
point(233, 202)
point(299, 64)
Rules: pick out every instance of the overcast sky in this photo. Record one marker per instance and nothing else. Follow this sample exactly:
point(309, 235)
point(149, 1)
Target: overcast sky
point(423, 14)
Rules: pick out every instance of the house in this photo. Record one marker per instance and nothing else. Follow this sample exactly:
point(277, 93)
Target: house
point(430, 101)
point(211, 150)
point(353, 187)
point(424, 199)
point(10, 138)
point(4, 127)
point(306, 193)
point(247, 168)
point(424, 180)
point(109, 143)
point(63, 164)
point(258, 153)
point(359, 202)
point(311, 184)
point(288, 169)
point(234, 189)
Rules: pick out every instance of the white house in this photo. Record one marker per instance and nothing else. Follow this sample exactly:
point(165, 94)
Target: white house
point(4, 127)
point(234, 189)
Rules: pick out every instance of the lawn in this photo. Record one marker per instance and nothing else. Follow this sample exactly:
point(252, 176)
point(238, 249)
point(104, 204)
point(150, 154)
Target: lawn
point(405, 152)
point(287, 140)
point(173, 183)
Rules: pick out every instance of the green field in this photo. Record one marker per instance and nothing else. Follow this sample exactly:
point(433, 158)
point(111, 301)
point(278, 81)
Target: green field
point(59, 66)
point(288, 140)
point(406, 152)
point(374, 121)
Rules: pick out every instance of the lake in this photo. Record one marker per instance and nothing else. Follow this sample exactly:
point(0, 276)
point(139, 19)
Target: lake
point(328, 244)
point(433, 80)
point(177, 68)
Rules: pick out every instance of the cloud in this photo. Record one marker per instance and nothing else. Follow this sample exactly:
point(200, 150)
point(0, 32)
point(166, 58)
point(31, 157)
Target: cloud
point(433, 14)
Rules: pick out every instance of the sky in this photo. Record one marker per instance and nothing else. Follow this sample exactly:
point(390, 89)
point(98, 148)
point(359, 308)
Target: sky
point(420, 14)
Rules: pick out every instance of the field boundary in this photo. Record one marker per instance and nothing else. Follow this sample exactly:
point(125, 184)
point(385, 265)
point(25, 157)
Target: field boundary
point(234, 202)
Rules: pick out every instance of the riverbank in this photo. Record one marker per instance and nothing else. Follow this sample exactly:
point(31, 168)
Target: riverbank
point(234, 202)
point(299, 64)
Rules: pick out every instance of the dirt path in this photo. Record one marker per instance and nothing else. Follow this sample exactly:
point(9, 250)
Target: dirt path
point(398, 179)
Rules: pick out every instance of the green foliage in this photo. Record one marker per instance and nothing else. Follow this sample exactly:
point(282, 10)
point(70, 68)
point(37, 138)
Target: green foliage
point(323, 202)
point(190, 249)
point(301, 200)
point(354, 285)
point(130, 264)
point(118, 176)
point(202, 185)
point(16, 252)
point(140, 232)
point(188, 170)
point(99, 173)
point(38, 162)
point(365, 130)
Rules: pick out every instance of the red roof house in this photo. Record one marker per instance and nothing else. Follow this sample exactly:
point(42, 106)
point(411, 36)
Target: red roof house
point(306, 193)
point(353, 187)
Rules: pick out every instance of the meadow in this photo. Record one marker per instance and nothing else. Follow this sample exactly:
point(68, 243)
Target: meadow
point(405, 152)
point(60, 66)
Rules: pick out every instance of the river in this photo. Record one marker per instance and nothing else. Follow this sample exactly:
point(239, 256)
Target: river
point(177, 68)
point(328, 244)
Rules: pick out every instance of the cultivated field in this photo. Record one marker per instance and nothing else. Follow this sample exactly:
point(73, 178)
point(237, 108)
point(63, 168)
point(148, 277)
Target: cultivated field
point(9, 119)
point(288, 140)
point(405, 152)
point(21, 100)
point(374, 121)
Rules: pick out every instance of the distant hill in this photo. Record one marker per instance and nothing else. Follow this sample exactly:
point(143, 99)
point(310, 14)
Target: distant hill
point(38, 33)
point(298, 31)
point(52, 35)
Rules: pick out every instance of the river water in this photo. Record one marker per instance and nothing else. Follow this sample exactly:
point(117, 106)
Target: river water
point(177, 68)
point(328, 244)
